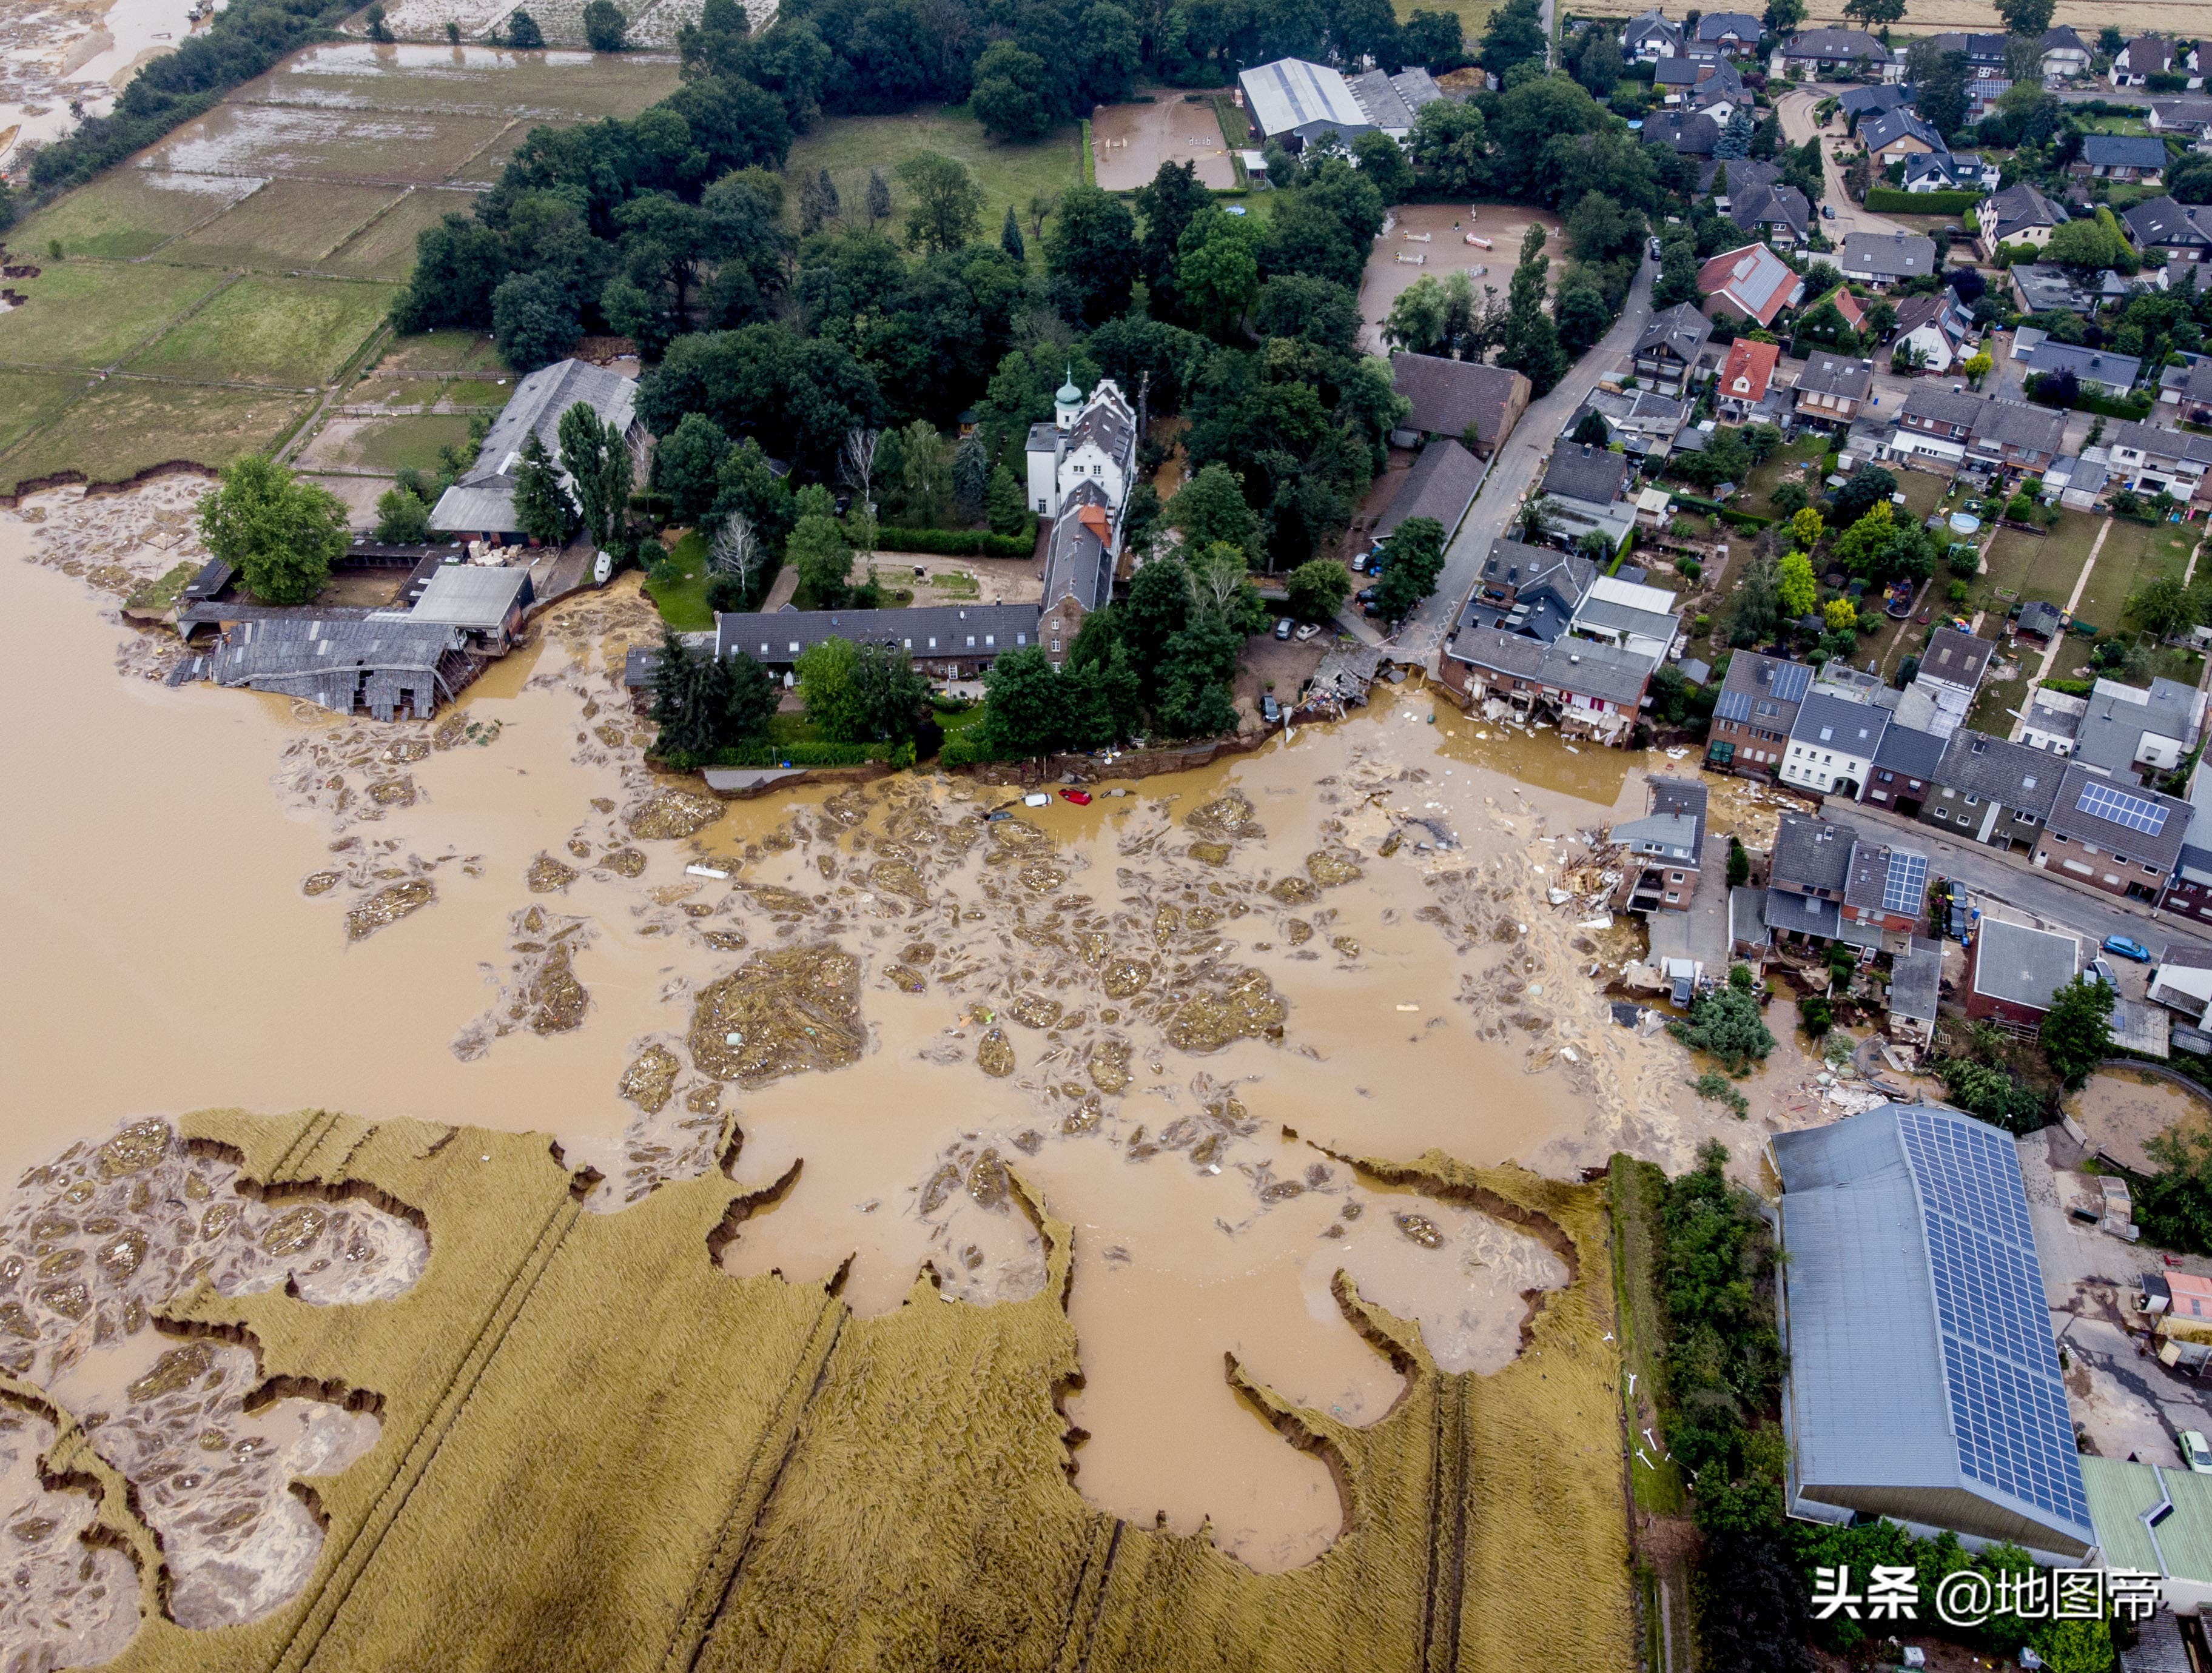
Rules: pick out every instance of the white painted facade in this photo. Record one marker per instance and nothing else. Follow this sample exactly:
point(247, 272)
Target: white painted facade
point(1075, 448)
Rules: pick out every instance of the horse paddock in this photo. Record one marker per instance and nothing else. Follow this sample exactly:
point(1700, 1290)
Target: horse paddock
point(1128, 142)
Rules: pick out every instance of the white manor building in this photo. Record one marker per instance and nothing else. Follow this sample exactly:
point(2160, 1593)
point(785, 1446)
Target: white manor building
point(1081, 467)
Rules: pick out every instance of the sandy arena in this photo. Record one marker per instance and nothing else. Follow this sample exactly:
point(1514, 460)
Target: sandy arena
point(1392, 269)
point(1128, 142)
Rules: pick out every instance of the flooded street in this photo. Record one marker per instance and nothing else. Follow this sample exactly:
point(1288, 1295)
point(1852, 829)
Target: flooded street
point(1174, 1016)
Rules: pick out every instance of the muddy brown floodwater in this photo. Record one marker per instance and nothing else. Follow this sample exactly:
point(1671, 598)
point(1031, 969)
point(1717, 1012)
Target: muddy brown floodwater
point(1174, 1012)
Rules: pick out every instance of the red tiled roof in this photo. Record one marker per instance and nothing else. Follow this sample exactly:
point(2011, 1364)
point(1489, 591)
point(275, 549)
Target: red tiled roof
point(1749, 366)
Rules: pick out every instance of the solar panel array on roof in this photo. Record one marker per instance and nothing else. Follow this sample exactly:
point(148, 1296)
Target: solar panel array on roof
point(2135, 812)
point(1906, 885)
point(2009, 1411)
point(1791, 680)
point(1734, 705)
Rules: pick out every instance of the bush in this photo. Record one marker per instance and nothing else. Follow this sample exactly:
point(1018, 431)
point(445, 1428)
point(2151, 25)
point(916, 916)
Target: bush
point(1883, 200)
point(766, 754)
point(1726, 1023)
point(1690, 569)
point(1815, 1015)
point(959, 542)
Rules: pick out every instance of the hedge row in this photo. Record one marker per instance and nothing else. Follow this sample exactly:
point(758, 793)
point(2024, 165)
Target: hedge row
point(957, 542)
point(765, 754)
point(2137, 410)
point(1714, 508)
point(1888, 200)
point(965, 749)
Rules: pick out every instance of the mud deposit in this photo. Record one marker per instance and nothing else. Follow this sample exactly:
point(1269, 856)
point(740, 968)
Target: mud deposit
point(918, 1029)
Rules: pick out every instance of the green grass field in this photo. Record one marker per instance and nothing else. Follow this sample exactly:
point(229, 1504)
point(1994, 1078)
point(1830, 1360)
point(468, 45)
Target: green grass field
point(1783, 464)
point(2022, 568)
point(28, 399)
point(93, 313)
point(410, 441)
point(296, 332)
point(1473, 17)
point(849, 146)
point(440, 351)
point(126, 213)
point(287, 225)
point(2133, 554)
point(128, 424)
point(683, 600)
point(385, 249)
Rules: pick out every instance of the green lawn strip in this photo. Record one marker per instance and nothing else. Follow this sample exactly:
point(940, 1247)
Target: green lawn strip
point(2134, 552)
point(294, 332)
point(683, 600)
point(385, 249)
point(129, 425)
point(440, 351)
point(476, 394)
point(1473, 15)
point(1993, 705)
point(28, 399)
point(125, 214)
point(1783, 464)
point(1633, 1190)
point(287, 224)
point(92, 314)
point(1923, 492)
point(398, 442)
point(849, 146)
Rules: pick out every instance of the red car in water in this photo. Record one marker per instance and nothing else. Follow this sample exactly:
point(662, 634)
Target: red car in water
point(1080, 797)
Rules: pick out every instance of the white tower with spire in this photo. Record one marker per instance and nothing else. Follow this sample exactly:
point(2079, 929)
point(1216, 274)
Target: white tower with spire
point(1091, 439)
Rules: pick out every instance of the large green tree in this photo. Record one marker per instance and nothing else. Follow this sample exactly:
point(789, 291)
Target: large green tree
point(823, 557)
point(2077, 1029)
point(946, 209)
point(282, 534)
point(1092, 254)
point(542, 510)
point(597, 461)
point(2031, 18)
point(1532, 338)
point(1415, 560)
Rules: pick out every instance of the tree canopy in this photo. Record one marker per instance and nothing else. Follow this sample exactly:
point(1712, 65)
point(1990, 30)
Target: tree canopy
point(282, 534)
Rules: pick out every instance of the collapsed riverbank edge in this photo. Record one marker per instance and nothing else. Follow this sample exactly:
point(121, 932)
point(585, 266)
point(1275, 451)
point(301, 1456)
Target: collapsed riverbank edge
point(598, 1450)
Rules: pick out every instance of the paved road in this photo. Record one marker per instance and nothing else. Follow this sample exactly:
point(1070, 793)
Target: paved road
point(1515, 469)
point(1797, 126)
point(2018, 884)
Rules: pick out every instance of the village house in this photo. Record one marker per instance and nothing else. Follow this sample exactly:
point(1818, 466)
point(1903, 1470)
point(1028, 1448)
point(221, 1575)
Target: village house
point(946, 641)
point(2012, 435)
point(2170, 229)
point(1662, 851)
point(480, 505)
point(2189, 120)
point(1760, 204)
point(1886, 892)
point(1832, 389)
point(1904, 768)
point(1916, 982)
point(1936, 423)
point(2065, 54)
point(1929, 331)
point(1863, 101)
point(2116, 837)
point(1984, 51)
point(1832, 746)
point(2147, 56)
point(2098, 371)
point(1950, 171)
point(1892, 136)
point(2019, 214)
point(1813, 53)
point(1589, 691)
point(1533, 591)
point(1642, 420)
point(2041, 287)
point(2188, 891)
point(1649, 37)
point(2189, 388)
point(2182, 980)
point(1700, 84)
point(1584, 485)
point(1753, 714)
point(2130, 157)
point(1884, 260)
point(1750, 285)
point(1628, 616)
point(1476, 405)
point(1808, 872)
point(2126, 731)
point(1686, 133)
point(1667, 353)
point(2152, 460)
point(1745, 377)
point(1993, 792)
point(1956, 658)
point(1081, 467)
point(2013, 971)
point(1732, 35)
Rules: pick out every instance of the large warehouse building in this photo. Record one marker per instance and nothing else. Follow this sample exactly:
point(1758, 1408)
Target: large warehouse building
point(1923, 1382)
point(1295, 101)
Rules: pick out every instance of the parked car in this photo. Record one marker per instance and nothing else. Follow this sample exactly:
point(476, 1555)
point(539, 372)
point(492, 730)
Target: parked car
point(1270, 710)
point(2196, 1452)
point(2102, 971)
point(1283, 627)
point(2128, 947)
point(1366, 595)
point(1654, 249)
point(1080, 797)
point(1307, 632)
point(1827, 211)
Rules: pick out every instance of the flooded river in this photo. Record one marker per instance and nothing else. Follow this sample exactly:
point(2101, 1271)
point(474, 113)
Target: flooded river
point(1175, 1013)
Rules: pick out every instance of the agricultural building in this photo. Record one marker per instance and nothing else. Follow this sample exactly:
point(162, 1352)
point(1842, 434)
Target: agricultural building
point(481, 506)
point(1441, 485)
point(955, 641)
point(486, 601)
point(1923, 1382)
point(1477, 405)
point(381, 662)
point(1293, 100)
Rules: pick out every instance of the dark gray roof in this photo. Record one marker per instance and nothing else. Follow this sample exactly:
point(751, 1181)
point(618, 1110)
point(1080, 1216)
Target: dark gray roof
point(2124, 150)
point(1839, 46)
point(2005, 212)
point(1078, 561)
point(483, 500)
point(1757, 206)
point(1889, 255)
point(1857, 101)
point(2086, 810)
point(938, 631)
point(1837, 374)
point(1753, 677)
point(1811, 853)
point(1836, 723)
point(1695, 135)
point(1441, 484)
point(1680, 329)
point(2016, 424)
point(1548, 586)
point(2162, 221)
point(1921, 1356)
point(1882, 875)
point(2013, 775)
point(1449, 395)
point(2023, 965)
point(1914, 754)
point(1916, 982)
point(1714, 25)
point(2093, 365)
point(2118, 716)
point(1678, 72)
point(477, 596)
point(1568, 664)
point(1803, 914)
point(384, 662)
point(1580, 471)
point(1956, 657)
point(2156, 441)
point(1936, 401)
point(1886, 127)
point(2062, 35)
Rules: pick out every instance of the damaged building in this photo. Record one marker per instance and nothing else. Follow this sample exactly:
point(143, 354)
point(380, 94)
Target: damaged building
point(378, 662)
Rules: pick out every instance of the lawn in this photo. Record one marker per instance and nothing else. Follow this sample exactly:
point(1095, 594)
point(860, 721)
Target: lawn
point(286, 225)
point(389, 444)
point(2133, 553)
point(1473, 17)
point(476, 394)
point(385, 249)
point(2021, 567)
point(125, 214)
point(1785, 464)
point(683, 597)
point(93, 314)
point(440, 351)
point(28, 399)
point(296, 332)
point(849, 146)
point(131, 424)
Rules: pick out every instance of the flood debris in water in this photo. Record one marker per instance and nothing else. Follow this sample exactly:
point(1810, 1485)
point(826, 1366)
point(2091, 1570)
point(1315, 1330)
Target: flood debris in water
point(540, 990)
point(677, 811)
point(387, 907)
point(780, 1013)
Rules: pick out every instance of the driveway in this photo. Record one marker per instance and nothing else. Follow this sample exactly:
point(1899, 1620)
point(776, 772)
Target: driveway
point(1512, 472)
point(1797, 126)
